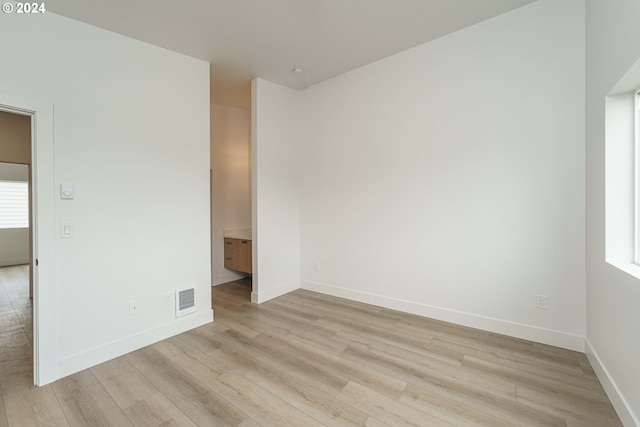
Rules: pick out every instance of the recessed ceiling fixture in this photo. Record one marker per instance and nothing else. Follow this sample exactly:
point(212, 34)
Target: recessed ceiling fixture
point(298, 70)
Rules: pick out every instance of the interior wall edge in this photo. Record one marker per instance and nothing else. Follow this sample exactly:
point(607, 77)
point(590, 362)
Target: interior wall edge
point(271, 293)
point(517, 330)
point(621, 405)
point(100, 354)
point(13, 261)
point(227, 277)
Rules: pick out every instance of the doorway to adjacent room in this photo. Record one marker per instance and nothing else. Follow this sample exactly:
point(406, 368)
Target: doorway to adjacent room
point(16, 247)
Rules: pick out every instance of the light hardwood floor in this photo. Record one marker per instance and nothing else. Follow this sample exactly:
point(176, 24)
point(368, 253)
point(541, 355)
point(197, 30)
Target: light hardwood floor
point(306, 359)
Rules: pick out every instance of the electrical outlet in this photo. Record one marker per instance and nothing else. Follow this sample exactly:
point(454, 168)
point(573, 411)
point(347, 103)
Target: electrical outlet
point(134, 307)
point(541, 302)
point(316, 266)
point(168, 298)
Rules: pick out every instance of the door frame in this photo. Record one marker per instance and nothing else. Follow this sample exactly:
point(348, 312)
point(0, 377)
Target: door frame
point(43, 231)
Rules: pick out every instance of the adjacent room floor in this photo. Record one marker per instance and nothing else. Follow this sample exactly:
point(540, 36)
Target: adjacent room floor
point(16, 333)
point(304, 359)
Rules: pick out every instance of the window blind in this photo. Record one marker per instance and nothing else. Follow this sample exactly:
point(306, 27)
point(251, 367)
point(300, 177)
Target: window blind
point(14, 204)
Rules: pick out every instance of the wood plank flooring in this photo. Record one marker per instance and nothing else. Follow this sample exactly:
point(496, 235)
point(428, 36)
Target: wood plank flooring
point(304, 359)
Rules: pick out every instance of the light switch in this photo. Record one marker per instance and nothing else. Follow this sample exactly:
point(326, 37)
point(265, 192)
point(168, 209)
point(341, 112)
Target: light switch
point(66, 191)
point(66, 230)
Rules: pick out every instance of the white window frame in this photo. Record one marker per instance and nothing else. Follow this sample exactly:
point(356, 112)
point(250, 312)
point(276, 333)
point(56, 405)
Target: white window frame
point(622, 173)
point(636, 177)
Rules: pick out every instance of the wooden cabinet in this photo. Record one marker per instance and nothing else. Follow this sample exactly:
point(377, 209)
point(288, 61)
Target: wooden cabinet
point(237, 255)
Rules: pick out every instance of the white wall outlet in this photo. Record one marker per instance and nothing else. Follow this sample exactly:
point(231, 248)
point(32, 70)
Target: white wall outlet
point(134, 308)
point(168, 298)
point(316, 266)
point(541, 302)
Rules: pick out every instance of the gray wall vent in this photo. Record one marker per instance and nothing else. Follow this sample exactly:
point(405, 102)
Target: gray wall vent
point(185, 301)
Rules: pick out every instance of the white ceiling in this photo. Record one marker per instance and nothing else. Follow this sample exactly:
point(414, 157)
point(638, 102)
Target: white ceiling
point(244, 39)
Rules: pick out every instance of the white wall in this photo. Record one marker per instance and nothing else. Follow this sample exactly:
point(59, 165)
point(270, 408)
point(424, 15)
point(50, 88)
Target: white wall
point(14, 242)
point(14, 246)
point(231, 191)
point(275, 192)
point(448, 180)
point(14, 172)
point(132, 134)
point(613, 45)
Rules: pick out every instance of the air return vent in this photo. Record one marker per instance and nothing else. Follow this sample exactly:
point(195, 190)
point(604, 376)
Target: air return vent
point(185, 301)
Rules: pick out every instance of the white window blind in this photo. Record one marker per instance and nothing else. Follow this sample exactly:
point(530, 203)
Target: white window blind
point(14, 204)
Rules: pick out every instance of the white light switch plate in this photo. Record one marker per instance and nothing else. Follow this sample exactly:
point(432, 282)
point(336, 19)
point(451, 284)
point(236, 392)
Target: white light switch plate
point(66, 191)
point(66, 230)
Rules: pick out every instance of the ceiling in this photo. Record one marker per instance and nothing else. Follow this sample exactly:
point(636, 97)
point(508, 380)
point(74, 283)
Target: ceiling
point(244, 39)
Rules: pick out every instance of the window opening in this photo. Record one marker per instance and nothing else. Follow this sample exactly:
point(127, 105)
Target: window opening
point(14, 204)
point(636, 180)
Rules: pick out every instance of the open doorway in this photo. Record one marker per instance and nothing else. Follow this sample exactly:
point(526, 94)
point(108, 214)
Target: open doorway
point(231, 216)
point(16, 247)
point(39, 115)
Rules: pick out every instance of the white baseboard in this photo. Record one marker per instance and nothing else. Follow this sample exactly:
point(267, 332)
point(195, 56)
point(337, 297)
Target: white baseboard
point(513, 329)
point(624, 411)
point(228, 277)
point(263, 296)
point(95, 356)
point(13, 261)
